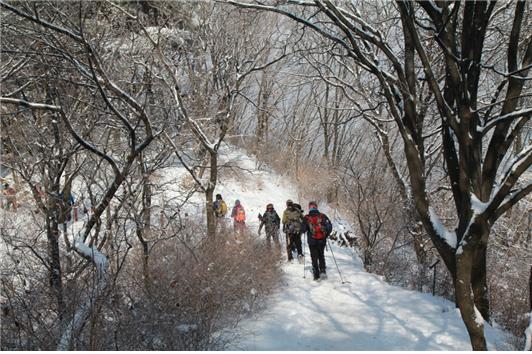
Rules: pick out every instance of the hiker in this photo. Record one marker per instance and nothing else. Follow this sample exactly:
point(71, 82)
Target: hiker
point(298, 207)
point(318, 227)
point(2, 185)
point(239, 218)
point(220, 211)
point(67, 205)
point(219, 206)
point(40, 196)
point(292, 222)
point(272, 222)
point(11, 197)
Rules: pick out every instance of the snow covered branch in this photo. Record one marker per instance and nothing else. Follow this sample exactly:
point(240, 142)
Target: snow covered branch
point(525, 112)
point(503, 198)
point(83, 312)
point(32, 105)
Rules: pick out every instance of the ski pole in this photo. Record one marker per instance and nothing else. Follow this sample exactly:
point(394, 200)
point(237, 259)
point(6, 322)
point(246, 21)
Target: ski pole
point(334, 258)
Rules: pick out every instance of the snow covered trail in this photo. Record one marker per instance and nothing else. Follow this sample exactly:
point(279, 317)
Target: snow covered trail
point(365, 313)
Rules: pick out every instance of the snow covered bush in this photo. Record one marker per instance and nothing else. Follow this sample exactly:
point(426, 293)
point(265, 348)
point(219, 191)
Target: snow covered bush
point(198, 291)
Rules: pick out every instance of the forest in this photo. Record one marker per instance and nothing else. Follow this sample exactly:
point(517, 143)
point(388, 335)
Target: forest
point(407, 122)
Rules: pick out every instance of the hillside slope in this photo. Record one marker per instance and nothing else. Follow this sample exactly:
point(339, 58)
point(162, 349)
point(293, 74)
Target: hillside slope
point(363, 313)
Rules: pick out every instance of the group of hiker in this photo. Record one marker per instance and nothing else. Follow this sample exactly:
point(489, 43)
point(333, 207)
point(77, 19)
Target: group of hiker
point(295, 223)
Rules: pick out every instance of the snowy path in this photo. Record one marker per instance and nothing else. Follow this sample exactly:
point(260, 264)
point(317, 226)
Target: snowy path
point(364, 314)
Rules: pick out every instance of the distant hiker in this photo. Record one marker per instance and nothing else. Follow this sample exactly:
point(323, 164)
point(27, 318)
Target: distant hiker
point(318, 227)
point(272, 222)
point(220, 211)
point(2, 184)
point(292, 222)
point(67, 205)
point(11, 197)
point(219, 206)
point(239, 218)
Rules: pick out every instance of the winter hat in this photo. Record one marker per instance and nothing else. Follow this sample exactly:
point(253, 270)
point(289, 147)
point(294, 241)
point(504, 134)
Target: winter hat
point(237, 202)
point(313, 205)
point(289, 202)
point(269, 206)
point(218, 196)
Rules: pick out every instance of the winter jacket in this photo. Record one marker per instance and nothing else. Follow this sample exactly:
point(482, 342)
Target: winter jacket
point(271, 220)
point(234, 212)
point(220, 208)
point(292, 220)
point(325, 224)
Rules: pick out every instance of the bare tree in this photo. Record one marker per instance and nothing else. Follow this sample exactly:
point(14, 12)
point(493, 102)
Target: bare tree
point(477, 136)
point(66, 38)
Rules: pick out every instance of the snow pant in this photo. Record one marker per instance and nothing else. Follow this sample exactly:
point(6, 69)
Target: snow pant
point(317, 253)
point(273, 233)
point(293, 240)
point(240, 228)
point(221, 224)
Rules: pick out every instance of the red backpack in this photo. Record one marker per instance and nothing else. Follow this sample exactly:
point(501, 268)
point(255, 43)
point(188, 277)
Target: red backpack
point(315, 224)
point(240, 215)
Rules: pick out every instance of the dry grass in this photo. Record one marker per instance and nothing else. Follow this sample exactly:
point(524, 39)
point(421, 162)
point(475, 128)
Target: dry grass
point(197, 294)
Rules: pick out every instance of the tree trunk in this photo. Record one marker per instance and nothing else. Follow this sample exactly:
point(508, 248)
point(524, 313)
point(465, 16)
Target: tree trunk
point(209, 193)
point(262, 111)
point(146, 223)
point(479, 281)
point(465, 298)
point(55, 277)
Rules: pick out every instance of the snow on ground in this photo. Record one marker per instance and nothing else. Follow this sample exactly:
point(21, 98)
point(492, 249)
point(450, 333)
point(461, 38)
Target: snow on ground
point(364, 313)
point(239, 179)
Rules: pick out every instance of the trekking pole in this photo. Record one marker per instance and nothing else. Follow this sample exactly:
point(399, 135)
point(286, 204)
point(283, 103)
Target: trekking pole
point(304, 260)
point(334, 258)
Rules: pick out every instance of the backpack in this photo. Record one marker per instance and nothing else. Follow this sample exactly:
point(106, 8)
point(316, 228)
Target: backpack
point(220, 208)
point(271, 218)
point(293, 224)
point(240, 215)
point(316, 227)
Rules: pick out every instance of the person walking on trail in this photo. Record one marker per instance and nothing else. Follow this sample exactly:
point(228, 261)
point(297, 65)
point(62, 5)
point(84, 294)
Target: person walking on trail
point(239, 218)
point(292, 223)
point(298, 207)
point(219, 206)
point(11, 197)
point(272, 222)
point(220, 211)
point(318, 227)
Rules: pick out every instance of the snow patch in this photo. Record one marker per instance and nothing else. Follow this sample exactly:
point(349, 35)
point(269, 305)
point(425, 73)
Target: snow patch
point(441, 230)
point(185, 328)
point(477, 206)
point(478, 317)
point(528, 335)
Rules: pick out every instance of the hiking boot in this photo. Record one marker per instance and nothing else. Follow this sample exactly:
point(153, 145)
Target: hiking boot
point(316, 277)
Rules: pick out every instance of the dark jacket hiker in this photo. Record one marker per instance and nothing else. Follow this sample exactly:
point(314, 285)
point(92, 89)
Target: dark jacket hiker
point(318, 227)
point(292, 226)
point(270, 219)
